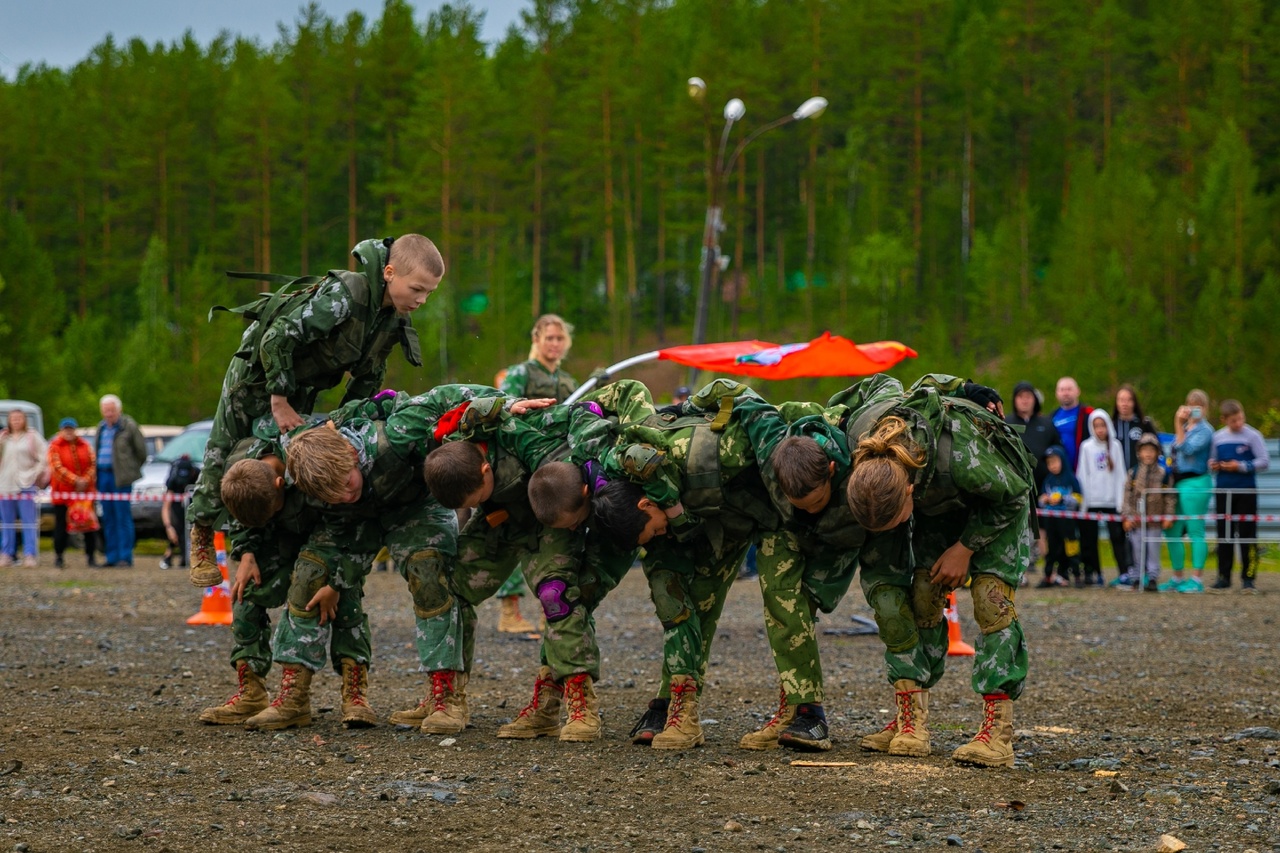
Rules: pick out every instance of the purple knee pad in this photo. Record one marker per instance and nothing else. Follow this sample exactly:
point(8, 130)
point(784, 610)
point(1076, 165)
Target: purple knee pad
point(554, 605)
point(592, 407)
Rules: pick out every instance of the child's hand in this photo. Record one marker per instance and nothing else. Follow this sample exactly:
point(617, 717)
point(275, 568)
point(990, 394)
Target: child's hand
point(1128, 524)
point(246, 571)
point(951, 567)
point(521, 407)
point(285, 417)
point(1166, 524)
point(326, 598)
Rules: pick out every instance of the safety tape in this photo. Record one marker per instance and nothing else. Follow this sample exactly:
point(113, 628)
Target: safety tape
point(47, 497)
point(1115, 516)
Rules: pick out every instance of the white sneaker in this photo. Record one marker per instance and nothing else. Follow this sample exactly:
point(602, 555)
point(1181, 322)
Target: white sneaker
point(30, 562)
point(5, 561)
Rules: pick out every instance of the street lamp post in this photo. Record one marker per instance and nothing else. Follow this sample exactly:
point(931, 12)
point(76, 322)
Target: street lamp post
point(734, 110)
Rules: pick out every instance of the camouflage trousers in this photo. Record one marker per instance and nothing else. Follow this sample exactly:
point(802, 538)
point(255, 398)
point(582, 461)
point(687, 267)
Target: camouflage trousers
point(250, 618)
point(795, 584)
point(421, 539)
point(689, 583)
point(910, 610)
point(570, 571)
point(244, 399)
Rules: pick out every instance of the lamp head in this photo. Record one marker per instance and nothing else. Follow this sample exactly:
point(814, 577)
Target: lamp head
point(811, 108)
point(697, 88)
point(734, 110)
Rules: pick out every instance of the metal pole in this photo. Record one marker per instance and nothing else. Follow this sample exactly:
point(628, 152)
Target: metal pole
point(710, 256)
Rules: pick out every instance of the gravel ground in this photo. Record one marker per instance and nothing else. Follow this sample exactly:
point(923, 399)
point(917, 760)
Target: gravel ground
point(1145, 715)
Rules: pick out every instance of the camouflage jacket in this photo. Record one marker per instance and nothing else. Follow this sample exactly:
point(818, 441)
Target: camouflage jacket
point(312, 338)
point(972, 462)
point(531, 379)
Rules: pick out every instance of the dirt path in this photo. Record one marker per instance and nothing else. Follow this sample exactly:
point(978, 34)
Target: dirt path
point(1125, 733)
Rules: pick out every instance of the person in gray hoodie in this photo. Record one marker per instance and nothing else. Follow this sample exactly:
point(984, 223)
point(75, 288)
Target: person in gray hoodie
point(1104, 478)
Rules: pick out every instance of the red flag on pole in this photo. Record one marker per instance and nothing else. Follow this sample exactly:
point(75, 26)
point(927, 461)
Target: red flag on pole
point(826, 355)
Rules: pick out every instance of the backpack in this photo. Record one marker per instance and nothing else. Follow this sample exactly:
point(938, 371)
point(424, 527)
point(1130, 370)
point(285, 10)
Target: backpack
point(183, 473)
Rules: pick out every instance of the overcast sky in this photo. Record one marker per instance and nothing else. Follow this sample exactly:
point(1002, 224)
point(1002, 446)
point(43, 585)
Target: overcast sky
point(62, 32)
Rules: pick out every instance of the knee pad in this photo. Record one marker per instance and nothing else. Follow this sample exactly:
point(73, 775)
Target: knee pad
point(894, 618)
point(424, 571)
point(992, 604)
point(668, 599)
point(555, 603)
point(309, 574)
point(928, 600)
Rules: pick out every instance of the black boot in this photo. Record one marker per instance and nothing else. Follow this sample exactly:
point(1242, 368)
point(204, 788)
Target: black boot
point(651, 723)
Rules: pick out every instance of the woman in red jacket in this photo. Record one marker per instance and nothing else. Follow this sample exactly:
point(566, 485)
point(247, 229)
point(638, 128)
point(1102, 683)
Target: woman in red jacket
point(71, 467)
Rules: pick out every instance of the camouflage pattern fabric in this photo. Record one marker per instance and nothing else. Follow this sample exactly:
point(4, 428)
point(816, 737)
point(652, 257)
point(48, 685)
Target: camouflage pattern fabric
point(532, 380)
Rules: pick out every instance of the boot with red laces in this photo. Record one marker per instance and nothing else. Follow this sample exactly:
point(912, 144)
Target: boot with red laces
point(992, 746)
point(541, 717)
point(766, 737)
point(292, 705)
point(582, 710)
point(250, 698)
point(204, 571)
point(449, 713)
point(913, 716)
point(356, 713)
point(684, 729)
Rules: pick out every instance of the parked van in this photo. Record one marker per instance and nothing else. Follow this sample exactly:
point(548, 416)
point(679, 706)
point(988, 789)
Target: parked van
point(35, 417)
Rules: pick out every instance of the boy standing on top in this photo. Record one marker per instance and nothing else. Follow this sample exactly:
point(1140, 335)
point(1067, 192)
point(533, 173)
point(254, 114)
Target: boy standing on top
point(303, 342)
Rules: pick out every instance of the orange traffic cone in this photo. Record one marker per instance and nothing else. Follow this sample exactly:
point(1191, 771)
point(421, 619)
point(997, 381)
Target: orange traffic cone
point(215, 606)
point(956, 647)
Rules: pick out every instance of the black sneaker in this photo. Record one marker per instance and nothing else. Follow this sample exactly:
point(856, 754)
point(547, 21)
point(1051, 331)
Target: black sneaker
point(57, 562)
point(651, 722)
point(1248, 587)
point(808, 731)
point(1151, 586)
point(1221, 583)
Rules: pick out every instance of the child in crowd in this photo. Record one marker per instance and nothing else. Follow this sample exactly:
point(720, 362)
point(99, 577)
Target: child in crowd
point(1150, 492)
point(1062, 492)
point(1103, 478)
point(1238, 453)
point(305, 341)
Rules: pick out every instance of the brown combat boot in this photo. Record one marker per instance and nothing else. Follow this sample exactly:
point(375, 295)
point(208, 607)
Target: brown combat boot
point(684, 729)
point(356, 713)
point(582, 709)
point(541, 717)
point(292, 705)
point(204, 569)
point(767, 737)
point(250, 698)
point(509, 619)
point(879, 742)
point(992, 746)
point(449, 713)
point(913, 716)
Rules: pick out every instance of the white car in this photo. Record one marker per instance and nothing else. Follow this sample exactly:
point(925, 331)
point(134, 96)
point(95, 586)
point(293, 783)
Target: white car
point(150, 487)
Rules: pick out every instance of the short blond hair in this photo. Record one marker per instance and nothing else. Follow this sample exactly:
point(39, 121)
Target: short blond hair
point(882, 466)
point(320, 462)
point(248, 491)
point(413, 251)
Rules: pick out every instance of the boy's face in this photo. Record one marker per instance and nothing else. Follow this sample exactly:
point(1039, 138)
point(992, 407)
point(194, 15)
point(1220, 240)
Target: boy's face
point(407, 291)
point(1054, 464)
point(657, 523)
point(1147, 454)
point(483, 493)
point(354, 487)
point(817, 500)
point(1235, 422)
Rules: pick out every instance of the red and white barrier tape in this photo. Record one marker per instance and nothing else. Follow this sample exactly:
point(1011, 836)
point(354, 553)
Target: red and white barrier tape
point(91, 496)
point(1115, 516)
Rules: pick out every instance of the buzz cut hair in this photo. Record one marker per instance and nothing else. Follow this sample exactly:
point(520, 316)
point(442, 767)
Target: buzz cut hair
point(248, 491)
point(320, 461)
point(1230, 407)
point(410, 252)
point(555, 491)
point(454, 472)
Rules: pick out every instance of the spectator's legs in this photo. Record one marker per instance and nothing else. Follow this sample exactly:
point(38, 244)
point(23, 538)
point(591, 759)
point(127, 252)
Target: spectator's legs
point(1089, 549)
point(1227, 534)
point(60, 530)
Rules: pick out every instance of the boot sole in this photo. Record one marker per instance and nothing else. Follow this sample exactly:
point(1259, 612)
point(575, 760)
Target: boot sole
point(529, 734)
point(358, 723)
point(805, 745)
point(883, 750)
point(213, 718)
point(574, 738)
point(205, 581)
point(413, 722)
point(681, 746)
point(296, 723)
point(644, 738)
point(978, 762)
point(758, 747)
point(442, 730)
point(913, 752)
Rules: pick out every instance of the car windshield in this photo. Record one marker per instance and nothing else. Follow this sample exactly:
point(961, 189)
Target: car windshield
point(190, 442)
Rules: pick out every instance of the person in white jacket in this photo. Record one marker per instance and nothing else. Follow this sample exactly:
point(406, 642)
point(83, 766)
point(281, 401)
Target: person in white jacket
point(1103, 479)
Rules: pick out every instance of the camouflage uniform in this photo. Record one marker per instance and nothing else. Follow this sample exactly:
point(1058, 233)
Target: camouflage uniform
point(979, 497)
point(570, 570)
point(707, 464)
point(396, 511)
point(808, 564)
point(532, 380)
point(275, 547)
point(298, 345)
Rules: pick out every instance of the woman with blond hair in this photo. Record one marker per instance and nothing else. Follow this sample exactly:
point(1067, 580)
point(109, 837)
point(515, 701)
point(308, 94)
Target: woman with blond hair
point(948, 485)
point(539, 377)
point(23, 470)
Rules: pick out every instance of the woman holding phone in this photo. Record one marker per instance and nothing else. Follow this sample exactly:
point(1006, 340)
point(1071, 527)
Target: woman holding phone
point(1193, 439)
